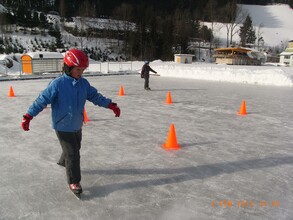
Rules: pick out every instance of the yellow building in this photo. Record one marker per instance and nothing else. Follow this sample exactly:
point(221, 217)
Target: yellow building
point(238, 56)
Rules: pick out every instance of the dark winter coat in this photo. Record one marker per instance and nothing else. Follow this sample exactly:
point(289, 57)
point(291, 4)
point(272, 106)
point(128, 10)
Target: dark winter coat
point(145, 71)
point(67, 97)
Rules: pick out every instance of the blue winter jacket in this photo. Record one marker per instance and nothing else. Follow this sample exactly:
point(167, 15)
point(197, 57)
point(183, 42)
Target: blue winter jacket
point(67, 97)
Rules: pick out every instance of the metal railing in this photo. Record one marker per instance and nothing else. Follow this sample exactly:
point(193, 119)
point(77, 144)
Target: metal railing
point(119, 67)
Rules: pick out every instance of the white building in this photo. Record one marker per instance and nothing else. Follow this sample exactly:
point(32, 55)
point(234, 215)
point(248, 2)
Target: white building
point(183, 58)
point(286, 57)
point(40, 62)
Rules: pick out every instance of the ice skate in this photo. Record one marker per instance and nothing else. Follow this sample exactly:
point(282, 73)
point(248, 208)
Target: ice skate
point(61, 164)
point(75, 187)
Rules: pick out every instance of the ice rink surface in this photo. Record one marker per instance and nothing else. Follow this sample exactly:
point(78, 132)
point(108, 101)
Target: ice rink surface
point(228, 167)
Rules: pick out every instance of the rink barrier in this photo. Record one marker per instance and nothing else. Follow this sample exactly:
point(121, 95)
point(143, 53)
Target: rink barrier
point(53, 76)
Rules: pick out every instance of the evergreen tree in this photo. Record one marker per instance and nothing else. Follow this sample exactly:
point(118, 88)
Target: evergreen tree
point(290, 2)
point(206, 33)
point(28, 18)
point(166, 39)
point(43, 21)
point(247, 32)
point(58, 36)
point(35, 19)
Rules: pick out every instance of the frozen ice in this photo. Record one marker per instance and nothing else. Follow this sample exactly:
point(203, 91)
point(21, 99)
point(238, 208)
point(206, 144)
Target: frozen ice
point(228, 167)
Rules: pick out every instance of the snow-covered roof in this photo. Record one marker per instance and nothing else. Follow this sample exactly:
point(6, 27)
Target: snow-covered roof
point(182, 54)
point(288, 49)
point(3, 9)
point(45, 55)
point(242, 49)
point(286, 53)
point(3, 56)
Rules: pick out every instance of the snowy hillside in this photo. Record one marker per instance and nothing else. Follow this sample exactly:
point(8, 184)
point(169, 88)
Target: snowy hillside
point(2, 8)
point(276, 22)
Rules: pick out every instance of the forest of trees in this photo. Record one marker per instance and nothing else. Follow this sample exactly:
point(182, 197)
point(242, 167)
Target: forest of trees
point(161, 25)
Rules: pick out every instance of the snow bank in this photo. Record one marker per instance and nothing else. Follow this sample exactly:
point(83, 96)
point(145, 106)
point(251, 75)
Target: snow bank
point(261, 75)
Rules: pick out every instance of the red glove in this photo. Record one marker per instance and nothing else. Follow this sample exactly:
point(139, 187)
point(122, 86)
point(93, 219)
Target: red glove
point(114, 107)
point(26, 122)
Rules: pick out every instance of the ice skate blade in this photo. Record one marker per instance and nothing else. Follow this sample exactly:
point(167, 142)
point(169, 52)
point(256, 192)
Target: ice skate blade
point(77, 195)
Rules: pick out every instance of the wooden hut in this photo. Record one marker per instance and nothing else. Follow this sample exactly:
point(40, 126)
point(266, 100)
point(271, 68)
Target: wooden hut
point(40, 62)
point(183, 58)
point(238, 56)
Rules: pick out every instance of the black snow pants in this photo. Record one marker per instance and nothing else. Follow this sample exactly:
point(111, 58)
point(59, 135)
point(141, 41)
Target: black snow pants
point(71, 144)
point(146, 83)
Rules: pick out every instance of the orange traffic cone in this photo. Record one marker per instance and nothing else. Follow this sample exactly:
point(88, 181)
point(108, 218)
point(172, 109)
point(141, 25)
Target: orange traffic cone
point(169, 98)
point(171, 142)
point(85, 118)
point(242, 110)
point(11, 92)
point(121, 91)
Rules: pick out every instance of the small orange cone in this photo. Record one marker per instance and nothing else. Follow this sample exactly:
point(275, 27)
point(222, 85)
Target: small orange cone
point(242, 110)
point(171, 142)
point(169, 98)
point(85, 118)
point(121, 91)
point(11, 92)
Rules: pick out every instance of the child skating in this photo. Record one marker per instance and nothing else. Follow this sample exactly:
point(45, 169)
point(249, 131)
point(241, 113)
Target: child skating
point(67, 95)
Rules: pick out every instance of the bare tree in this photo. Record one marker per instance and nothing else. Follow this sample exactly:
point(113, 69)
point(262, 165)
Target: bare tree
point(183, 28)
point(234, 15)
point(259, 35)
point(62, 8)
point(86, 10)
point(212, 16)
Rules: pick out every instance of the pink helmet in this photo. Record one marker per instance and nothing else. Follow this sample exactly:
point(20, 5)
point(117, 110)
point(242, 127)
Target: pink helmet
point(76, 58)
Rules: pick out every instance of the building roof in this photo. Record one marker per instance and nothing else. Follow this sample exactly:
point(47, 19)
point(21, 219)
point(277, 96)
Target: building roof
point(289, 50)
point(182, 54)
point(3, 56)
point(286, 53)
point(45, 55)
point(234, 49)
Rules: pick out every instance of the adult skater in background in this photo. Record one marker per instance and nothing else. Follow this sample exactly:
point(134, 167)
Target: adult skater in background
point(67, 95)
point(145, 73)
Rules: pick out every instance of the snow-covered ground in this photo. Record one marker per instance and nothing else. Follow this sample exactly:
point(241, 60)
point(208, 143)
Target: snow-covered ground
point(260, 75)
point(268, 74)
